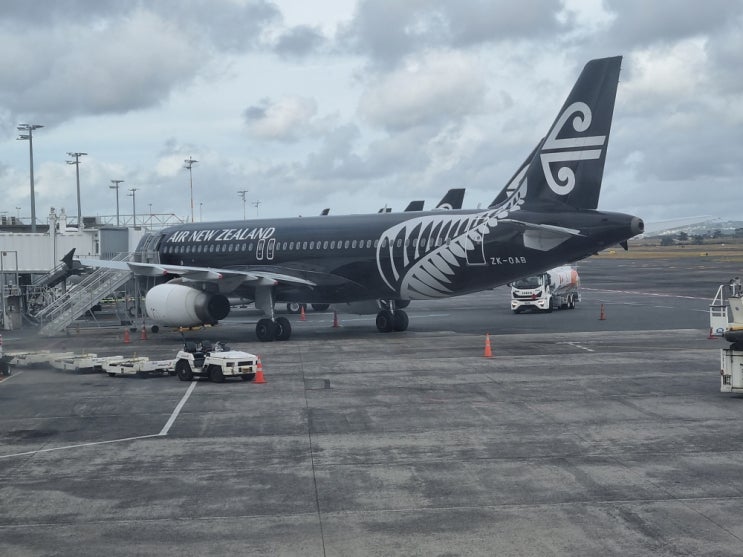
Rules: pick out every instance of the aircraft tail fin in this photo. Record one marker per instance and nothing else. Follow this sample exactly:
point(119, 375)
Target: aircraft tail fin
point(452, 200)
point(569, 165)
point(416, 205)
point(517, 178)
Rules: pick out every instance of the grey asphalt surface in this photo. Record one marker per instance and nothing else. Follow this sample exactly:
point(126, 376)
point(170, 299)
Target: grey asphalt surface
point(580, 436)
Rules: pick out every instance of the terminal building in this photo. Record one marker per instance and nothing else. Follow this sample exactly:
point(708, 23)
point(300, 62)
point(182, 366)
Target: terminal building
point(41, 286)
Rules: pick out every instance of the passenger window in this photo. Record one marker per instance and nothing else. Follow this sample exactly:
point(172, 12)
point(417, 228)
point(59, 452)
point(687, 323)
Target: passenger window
point(346, 244)
point(312, 245)
point(353, 244)
point(399, 242)
point(325, 245)
point(304, 245)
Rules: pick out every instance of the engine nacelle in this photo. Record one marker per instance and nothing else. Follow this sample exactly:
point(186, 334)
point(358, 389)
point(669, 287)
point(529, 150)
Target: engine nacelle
point(182, 306)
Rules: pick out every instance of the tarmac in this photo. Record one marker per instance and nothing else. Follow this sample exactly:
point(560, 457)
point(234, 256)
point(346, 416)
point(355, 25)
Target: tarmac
point(579, 436)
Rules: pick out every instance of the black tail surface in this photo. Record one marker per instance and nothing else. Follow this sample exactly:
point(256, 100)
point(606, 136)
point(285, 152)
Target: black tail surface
point(570, 163)
point(452, 200)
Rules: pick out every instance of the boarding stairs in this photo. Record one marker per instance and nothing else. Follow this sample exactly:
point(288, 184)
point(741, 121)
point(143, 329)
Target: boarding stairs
point(78, 299)
point(719, 319)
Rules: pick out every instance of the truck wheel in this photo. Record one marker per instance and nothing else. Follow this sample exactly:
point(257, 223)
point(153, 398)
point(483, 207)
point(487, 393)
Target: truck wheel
point(183, 369)
point(320, 307)
point(571, 303)
point(215, 374)
point(248, 377)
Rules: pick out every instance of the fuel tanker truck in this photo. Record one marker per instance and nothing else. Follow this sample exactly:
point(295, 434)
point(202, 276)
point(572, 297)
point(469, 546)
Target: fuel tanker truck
point(558, 288)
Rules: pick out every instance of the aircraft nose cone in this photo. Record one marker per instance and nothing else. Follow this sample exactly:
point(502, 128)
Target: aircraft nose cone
point(637, 226)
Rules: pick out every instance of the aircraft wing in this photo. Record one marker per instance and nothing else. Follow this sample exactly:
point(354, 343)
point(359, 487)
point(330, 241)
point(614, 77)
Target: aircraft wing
point(251, 277)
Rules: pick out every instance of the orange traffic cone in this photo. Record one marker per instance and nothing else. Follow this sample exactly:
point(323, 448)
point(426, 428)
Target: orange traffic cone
point(259, 373)
point(602, 315)
point(711, 335)
point(127, 339)
point(302, 316)
point(488, 352)
point(335, 320)
point(143, 336)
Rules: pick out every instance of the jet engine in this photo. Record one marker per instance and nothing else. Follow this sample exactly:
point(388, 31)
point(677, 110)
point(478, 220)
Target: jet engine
point(182, 306)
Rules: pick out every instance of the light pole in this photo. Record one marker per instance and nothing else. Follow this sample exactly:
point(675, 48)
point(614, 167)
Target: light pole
point(116, 187)
point(76, 162)
point(256, 204)
point(201, 206)
point(242, 193)
point(18, 214)
point(134, 205)
point(189, 163)
point(30, 137)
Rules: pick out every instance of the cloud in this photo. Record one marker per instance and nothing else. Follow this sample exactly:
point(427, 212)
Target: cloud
point(388, 30)
point(437, 86)
point(88, 58)
point(287, 119)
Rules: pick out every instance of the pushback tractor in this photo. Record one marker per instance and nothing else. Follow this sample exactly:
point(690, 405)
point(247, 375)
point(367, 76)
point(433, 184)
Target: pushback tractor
point(215, 361)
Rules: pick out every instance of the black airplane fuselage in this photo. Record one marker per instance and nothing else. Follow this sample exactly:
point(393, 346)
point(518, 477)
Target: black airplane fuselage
point(389, 255)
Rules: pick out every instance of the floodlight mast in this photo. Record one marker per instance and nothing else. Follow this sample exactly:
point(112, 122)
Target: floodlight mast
point(76, 162)
point(242, 193)
point(134, 205)
point(116, 187)
point(30, 137)
point(189, 163)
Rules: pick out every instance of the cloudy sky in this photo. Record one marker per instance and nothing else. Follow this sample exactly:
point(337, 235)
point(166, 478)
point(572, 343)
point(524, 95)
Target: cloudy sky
point(354, 105)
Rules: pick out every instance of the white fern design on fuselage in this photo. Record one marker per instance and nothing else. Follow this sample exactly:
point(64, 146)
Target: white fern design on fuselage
point(423, 254)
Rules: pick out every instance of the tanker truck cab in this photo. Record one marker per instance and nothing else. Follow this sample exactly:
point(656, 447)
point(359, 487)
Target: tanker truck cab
point(553, 289)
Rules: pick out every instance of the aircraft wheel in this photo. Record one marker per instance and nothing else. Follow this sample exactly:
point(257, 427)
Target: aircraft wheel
point(283, 329)
point(183, 369)
point(215, 374)
point(385, 321)
point(400, 320)
point(295, 307)
point(320, 307)
point(265, 330)
point(155, 329)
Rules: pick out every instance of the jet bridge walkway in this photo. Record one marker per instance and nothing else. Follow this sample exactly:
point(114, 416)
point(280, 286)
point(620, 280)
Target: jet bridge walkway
point(60, 314)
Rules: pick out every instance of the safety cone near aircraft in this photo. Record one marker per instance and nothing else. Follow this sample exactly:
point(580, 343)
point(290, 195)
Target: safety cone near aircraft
point(335, 320)
point(143, 335)
point(602, 313)
point(302, 316)
point(488, 351)
point(127, 338)
point(259, 373)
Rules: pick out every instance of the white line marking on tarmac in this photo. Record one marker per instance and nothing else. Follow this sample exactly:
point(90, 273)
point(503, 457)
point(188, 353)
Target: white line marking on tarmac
point(9, 377)
point(576, 345)
point(163, 432)
point(174, 415)
point(78, 446)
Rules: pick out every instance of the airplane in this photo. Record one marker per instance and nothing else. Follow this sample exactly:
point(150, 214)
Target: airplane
point(353, 261)
point(452, 200)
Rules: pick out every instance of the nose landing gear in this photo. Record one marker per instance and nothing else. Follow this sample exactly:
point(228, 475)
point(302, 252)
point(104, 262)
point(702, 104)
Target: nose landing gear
point(391, 319)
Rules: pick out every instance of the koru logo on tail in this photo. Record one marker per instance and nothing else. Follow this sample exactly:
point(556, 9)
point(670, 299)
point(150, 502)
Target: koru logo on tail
point(579, 148)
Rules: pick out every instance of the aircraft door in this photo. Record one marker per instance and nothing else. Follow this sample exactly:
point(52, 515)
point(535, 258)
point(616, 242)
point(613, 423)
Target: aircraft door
point(475, 243)
point(270, 248)
point(259, 250)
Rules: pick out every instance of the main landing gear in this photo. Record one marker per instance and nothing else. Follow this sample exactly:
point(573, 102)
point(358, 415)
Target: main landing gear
point(390, 319)
point(271, 327)
point(276, 329)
